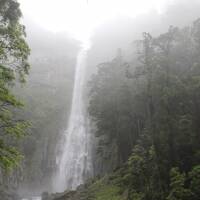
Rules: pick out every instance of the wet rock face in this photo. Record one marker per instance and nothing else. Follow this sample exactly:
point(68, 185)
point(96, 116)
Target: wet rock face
point(71, 195)
point(68, 196)
point(8, 194)
point(79, 194)
point(45, 196)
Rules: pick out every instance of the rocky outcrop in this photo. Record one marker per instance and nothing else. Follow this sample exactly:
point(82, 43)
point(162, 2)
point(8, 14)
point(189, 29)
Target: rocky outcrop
point(79, 194)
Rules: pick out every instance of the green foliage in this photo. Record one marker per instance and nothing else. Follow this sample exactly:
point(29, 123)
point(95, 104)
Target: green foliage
point(177, 186)
point(102, 191)
point(194, 175)
point(150, 109)
point(109, 104)
point(13, 66)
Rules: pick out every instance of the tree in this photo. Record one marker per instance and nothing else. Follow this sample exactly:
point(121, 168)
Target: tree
point(195, 182)
point(110, 103)
point(14, 67)
point(177, 186)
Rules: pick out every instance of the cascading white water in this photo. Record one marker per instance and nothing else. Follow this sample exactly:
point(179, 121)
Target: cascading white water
point(74, 161)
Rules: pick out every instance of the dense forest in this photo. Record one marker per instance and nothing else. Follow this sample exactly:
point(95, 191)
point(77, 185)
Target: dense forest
point(143, 108)
point(147, 115)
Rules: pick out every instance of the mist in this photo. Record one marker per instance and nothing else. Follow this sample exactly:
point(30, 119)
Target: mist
point(109, 108)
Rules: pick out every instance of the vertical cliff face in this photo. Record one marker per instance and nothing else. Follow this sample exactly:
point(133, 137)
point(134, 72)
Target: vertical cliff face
point(47, 96)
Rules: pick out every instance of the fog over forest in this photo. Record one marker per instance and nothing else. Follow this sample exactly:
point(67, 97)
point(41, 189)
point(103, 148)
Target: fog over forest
point(99, 100)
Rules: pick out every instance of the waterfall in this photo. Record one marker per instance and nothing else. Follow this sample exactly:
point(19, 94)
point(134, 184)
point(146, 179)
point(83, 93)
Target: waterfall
point(74, 161)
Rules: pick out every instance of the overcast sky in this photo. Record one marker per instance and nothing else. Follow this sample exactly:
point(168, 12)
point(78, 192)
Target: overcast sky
point(80, 17)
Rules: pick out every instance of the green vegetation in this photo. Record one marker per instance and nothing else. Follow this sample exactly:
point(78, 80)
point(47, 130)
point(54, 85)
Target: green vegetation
point(13, 67)
point(101, 190)
point(149, 108)
point(146, 112)
point(106, 188)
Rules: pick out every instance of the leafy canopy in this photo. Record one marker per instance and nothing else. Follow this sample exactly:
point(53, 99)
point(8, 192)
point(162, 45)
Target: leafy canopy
point(14, 66)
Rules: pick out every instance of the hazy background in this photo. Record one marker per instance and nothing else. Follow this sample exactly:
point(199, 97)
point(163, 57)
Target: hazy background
point(55, 31)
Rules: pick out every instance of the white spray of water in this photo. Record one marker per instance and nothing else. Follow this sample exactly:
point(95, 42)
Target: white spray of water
point(74, 162)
